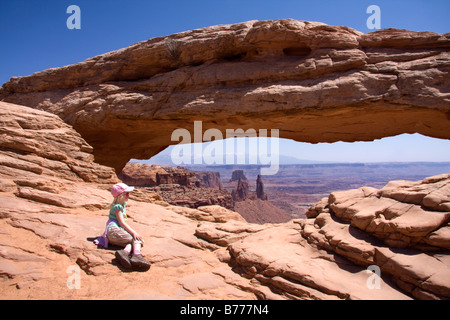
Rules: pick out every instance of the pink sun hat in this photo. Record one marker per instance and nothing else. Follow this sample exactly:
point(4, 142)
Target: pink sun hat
point(120, 188)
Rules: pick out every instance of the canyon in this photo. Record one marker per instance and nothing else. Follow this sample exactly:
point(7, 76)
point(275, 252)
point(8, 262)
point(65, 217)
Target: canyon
point(316, 83)
point(182, 187)
point(296, 187)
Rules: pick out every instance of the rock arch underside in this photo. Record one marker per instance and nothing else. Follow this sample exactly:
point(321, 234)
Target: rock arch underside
point(313, 82)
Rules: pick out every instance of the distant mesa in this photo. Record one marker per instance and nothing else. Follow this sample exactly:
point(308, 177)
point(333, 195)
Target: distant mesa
point(143, 175)
point(179, 186)
point(238, 174)
point(254, 206)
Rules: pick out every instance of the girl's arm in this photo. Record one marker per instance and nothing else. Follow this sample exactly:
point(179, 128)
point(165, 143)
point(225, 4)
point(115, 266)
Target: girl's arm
point(123, 224)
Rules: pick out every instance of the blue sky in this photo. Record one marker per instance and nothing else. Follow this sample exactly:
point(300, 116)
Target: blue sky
point(35, 37)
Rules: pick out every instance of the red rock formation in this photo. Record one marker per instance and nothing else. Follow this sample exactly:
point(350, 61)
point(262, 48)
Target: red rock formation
point(261, 211)
point(144, 175)
point(45, 160)
point(313, 82)
point(260, 194)
point(402, 214)
point(254, 207)
point(193, 197)
point(55, 199)
point(209, 179)
point(237, 174)
point(140, 175)
point(241, 192)
point(178, 186)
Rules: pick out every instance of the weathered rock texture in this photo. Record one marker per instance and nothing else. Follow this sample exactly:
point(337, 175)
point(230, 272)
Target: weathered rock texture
point(178, 186)
point(193, 197)
point(314, 82)
point(34, 143)
point(261, 211)
point(144, 175)
point(55, 200)
point(403, 228)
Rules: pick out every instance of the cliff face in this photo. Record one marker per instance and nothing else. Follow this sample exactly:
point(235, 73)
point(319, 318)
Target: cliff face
point(313, 82)
point(144, 175)
point(241, 191)
point(254, 207)
point(209, 179)
point(178, 186)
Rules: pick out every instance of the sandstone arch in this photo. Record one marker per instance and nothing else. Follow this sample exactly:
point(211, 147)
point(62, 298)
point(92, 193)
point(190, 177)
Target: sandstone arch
point(313, 82)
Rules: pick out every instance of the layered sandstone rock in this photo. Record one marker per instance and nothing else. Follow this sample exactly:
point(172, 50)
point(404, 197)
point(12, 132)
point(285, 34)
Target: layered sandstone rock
point(283, 257)
point(241, 192)
point(403, 214)
point(50, 214)
point(261, 211)
point(178, 186)
point(396, 228)
point(144, 175)
point(54, 202)
point(313, 82)
point(45, 160)
point(193, 197)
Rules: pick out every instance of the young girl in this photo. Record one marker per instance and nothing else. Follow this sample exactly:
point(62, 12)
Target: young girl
point(119, 233)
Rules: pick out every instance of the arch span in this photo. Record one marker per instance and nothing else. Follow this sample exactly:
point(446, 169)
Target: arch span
point(313, 82)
